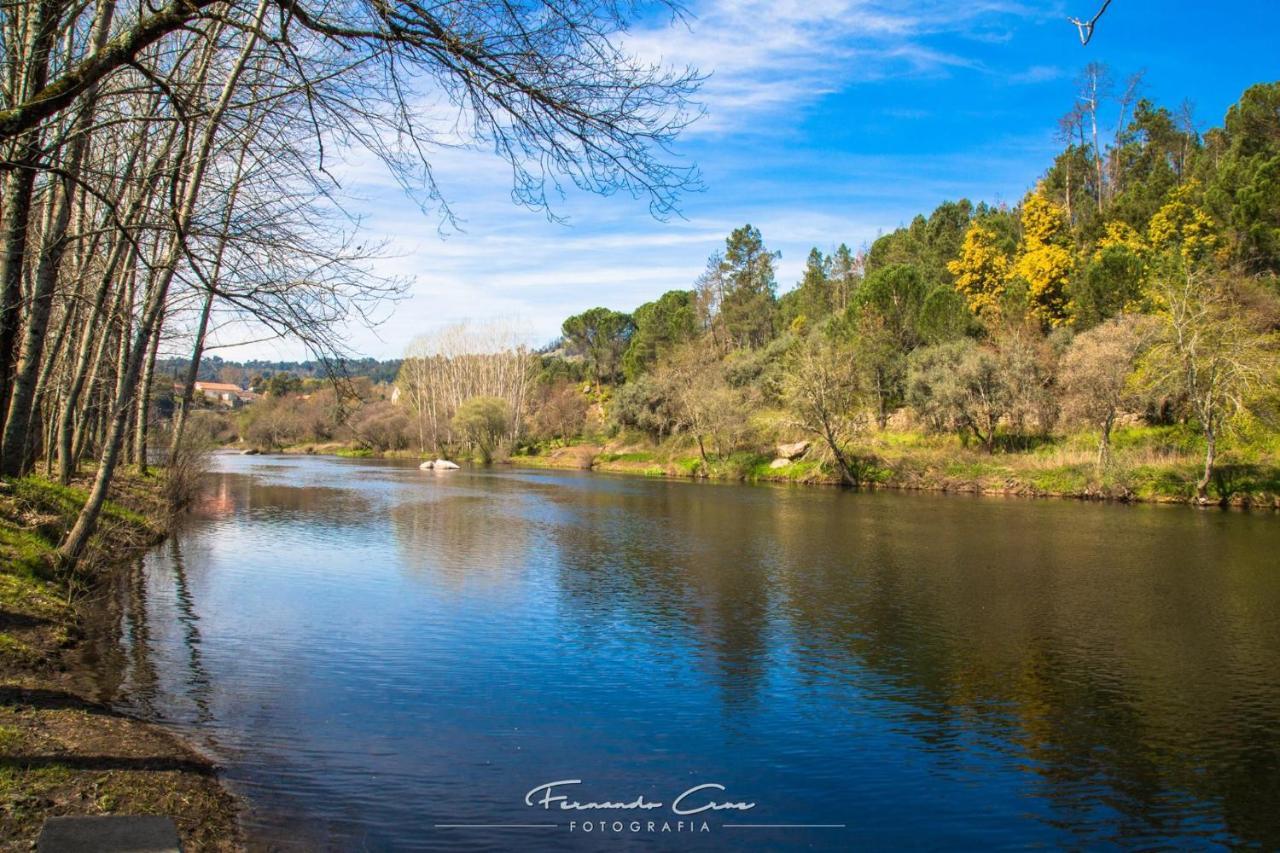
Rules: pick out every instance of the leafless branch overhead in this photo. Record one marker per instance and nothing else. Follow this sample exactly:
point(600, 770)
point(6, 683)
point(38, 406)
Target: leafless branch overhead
point(1085, 28)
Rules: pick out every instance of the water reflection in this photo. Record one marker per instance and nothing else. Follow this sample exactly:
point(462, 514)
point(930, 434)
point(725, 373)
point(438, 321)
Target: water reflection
point(197, 683)
point(372, 652)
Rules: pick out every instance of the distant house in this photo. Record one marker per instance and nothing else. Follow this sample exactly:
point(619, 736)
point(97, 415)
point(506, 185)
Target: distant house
point(225, 393)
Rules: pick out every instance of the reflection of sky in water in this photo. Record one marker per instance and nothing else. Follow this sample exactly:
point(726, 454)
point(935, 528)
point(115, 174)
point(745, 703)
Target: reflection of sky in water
point(372, 650)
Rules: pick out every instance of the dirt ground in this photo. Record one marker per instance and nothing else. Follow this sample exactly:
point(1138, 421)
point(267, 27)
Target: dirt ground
point(60, 752)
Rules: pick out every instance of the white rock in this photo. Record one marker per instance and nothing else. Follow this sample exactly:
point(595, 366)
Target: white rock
point(426, 466)
point(792, 451)
point(780, 463)
point(446, 465)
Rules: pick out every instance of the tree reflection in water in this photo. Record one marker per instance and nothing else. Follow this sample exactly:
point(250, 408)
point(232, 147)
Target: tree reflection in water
point(1114, 666)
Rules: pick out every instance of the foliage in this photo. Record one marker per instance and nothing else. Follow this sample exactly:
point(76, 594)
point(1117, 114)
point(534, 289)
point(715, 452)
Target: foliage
point(981, 269)
point(645, 405)
point(483, 422)
point(1110, 284)
point(1213, 350)
point(1096, 376)
point(747, 301)
point(960, 386)
point(560, 412)
point(660, 325)
point(987, 325)
point(823, 396)
point(1045, 261)
point(1182, 225)
point(600, 336)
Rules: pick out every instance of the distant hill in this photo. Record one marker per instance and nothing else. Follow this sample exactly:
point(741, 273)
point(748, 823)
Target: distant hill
point(216, 369)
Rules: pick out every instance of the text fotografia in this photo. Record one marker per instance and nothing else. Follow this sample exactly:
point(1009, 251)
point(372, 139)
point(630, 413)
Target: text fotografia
point(690, 808)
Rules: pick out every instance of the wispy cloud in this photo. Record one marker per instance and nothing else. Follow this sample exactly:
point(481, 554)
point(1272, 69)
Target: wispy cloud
point(766, 56)
point(1038, 74)
point(771, 64)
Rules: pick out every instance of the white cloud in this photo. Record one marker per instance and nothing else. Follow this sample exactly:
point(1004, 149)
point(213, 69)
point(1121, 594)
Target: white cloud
point(768, 61)
point(765, 56)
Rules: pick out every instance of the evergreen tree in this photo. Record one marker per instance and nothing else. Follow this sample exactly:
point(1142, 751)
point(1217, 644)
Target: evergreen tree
point(749, 304)
point(668, 321)
point(600, 336)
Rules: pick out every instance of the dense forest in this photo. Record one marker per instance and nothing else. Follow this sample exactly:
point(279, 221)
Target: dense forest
point(1133, 288)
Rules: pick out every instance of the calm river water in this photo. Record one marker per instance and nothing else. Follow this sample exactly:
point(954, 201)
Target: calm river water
point(388, 659)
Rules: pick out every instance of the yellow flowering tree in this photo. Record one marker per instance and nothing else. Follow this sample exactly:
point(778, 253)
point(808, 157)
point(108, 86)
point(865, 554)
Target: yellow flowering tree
point(1121, 235)
point(981, 270)
point(1045, 261)
point(1182, 225)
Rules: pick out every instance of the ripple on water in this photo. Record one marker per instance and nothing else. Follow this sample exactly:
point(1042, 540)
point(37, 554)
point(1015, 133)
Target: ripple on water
point(371, 652)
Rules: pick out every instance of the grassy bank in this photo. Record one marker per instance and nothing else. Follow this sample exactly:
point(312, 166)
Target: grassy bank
point(1159, 464)
point(60, 752)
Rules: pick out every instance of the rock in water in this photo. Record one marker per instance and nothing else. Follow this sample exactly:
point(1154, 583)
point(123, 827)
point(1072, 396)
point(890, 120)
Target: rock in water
point(426, 466)
point(792, 451)
point(446, 465)
point(251, 451)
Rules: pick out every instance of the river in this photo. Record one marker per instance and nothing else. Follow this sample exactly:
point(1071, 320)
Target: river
point(389, 659)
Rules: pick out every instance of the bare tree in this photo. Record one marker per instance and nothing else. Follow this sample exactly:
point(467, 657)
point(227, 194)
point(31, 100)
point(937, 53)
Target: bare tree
point(1213, 351)
point(166, 182)
point(441, 372)
point(1096, 376)
point(825, 400)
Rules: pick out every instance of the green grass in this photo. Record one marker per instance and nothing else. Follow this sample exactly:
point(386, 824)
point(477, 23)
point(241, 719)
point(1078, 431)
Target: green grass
point(977, 470)
point(354, 452)
point(24, 552)
point(14, 650)
point(689, 467)
point(35, 515)
point(632, 456)
point(1153, 463)
point(1062, 480)
point(66, 501)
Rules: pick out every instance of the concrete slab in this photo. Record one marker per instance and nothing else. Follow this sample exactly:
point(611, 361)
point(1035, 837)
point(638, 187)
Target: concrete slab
point(109, 834)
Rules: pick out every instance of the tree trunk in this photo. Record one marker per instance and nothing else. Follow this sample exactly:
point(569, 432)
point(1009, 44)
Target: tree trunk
point(156, 293)
point(22, 399)
point(78, 537)
point(144, 400)
point(1104, 444)
point(846, 470)
point(189, 381)
point(25, 158)
point(13, 448)
point(1210, 453)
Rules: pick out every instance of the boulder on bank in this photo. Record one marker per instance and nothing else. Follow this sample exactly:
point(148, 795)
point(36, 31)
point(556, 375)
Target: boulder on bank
point(791, 451)
point(780, 463)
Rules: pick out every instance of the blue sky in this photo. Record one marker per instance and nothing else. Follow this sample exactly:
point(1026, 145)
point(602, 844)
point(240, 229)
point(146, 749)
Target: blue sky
point(826, 122)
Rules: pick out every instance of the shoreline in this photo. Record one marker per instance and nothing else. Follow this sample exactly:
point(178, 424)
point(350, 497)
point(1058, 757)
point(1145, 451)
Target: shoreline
point(939, 484)
point(63, 752)
point(967, 473)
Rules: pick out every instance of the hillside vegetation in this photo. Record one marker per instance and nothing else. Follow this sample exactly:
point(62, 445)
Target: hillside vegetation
point(1114, 334)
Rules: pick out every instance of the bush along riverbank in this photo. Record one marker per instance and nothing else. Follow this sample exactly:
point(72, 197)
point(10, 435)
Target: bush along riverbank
point(61, 752)
point(1148, 464)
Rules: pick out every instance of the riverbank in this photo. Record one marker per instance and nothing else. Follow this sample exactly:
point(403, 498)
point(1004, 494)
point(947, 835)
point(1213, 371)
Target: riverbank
point(1159, 465)
point(61, 752)
point(1149, 465)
